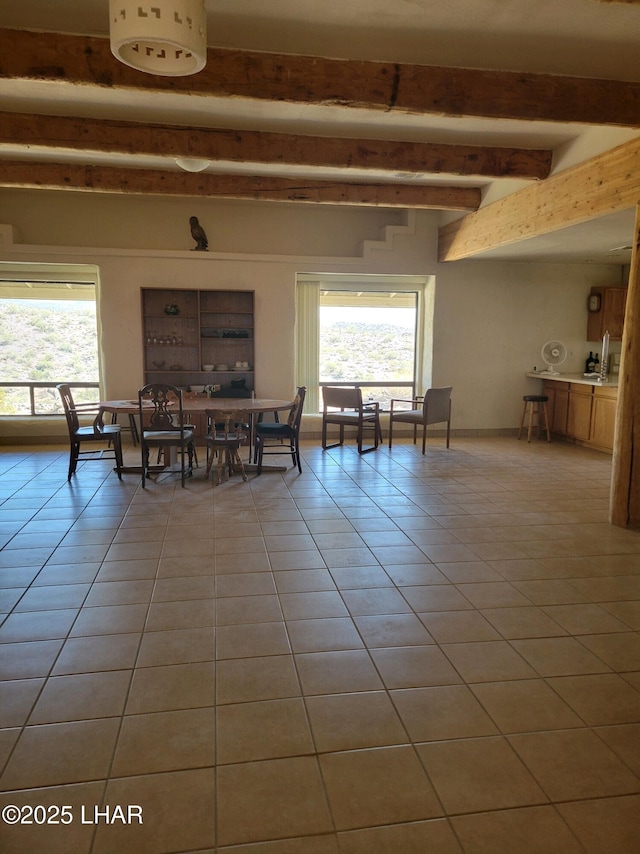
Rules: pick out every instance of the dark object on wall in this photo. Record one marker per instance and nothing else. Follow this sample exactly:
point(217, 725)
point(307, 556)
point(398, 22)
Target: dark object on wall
point(198, 234)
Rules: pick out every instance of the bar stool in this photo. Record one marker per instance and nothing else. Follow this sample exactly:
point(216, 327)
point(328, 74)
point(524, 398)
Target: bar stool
point(537, 404)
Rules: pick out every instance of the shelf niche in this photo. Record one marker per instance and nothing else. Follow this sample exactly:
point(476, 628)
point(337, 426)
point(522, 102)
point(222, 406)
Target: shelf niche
point(182, 330)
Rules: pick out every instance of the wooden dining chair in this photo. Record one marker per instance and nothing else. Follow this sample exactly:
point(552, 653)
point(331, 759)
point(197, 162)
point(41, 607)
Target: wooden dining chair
point(225, 436)
point(270, 436)
point(95, 433)
point(162, 419)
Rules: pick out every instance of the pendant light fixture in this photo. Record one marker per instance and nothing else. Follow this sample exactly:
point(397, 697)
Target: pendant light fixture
point(165, 37)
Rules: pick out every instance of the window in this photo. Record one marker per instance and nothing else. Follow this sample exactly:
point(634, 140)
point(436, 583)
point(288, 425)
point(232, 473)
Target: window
point(366, 331)
point(48, 335)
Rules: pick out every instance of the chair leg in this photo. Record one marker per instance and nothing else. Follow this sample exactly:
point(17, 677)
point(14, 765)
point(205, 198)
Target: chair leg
point(545, 412)
point(117, 447)
point(74, 451)
point(390, 431)
point(530, 430)
point(257, 454)
point(145, 463)
point(524, 412)
point(210, 455)
point(220, 466)
point(448, 431)
point(424, 438)
point(377, 432)
point(235, 454)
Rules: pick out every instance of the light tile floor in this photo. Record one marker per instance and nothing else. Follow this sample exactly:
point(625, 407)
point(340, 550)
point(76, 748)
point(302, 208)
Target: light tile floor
point(387, 653)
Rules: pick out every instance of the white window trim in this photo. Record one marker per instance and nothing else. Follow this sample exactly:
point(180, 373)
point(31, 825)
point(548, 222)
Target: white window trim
point(308, 287)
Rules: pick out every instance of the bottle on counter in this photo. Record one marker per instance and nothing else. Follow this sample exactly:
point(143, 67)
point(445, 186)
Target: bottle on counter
point(596, 365)
point(588, 368)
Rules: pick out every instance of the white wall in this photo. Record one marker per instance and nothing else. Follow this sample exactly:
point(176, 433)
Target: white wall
point(490, 319)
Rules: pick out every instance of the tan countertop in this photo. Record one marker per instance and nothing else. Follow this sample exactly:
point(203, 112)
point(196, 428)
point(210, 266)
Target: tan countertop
point(612, 381)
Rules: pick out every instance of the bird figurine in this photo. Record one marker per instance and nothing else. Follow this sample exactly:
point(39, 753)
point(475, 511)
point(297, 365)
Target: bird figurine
point(198, 234)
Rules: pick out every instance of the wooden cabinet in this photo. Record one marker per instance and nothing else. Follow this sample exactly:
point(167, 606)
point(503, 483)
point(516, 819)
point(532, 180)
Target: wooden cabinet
point(603, 417)
point(558, 405)
point(610, 316)
point(183, 330)
point(583, 413)
point(579, 411)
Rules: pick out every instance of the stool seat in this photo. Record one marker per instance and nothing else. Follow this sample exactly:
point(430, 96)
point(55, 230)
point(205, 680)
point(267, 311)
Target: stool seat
point(537, 405)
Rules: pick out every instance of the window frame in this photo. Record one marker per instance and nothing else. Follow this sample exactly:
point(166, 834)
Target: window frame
point(53, 282)
point(308, 287)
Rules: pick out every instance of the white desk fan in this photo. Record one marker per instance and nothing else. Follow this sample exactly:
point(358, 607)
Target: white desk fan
point(553, 354)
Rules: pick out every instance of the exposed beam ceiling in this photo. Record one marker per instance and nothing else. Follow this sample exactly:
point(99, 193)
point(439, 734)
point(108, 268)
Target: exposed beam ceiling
point(338, 83)
point(242, 146)
point(276, 120)
point(148, 182)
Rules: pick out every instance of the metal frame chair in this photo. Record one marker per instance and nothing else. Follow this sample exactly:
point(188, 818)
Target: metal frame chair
point(96, 432)
point(162, 426)
point(270, 436)
point(352, 413)
point(434, 408)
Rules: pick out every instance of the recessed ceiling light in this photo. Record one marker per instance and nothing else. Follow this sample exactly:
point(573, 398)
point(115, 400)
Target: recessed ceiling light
point(192, 164)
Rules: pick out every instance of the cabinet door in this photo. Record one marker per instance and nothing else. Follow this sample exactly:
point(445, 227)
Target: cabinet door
point(579, 416)
point(560, 412)
point(613, 305)
point(603, 421)
point(610, 317)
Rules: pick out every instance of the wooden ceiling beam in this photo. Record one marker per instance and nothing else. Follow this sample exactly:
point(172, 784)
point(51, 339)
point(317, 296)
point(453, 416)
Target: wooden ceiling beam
point(242, 146)
point(391, 87)
point(98, 179)
point(607, 183)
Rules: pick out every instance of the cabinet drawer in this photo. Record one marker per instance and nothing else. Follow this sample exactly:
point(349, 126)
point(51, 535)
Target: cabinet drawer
point(606, 391)
point(580, 388)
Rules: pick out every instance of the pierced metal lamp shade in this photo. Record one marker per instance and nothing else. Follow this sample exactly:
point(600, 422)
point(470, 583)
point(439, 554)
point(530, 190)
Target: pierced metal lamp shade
point(166, 37)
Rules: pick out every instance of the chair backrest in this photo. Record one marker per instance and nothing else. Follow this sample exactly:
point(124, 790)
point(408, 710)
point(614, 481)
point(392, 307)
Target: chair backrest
point(224, 425)
point(73, 410)
point(437, 405)
point(165, 412)
point(342, 397)
point(295, 414)
point(69, 407)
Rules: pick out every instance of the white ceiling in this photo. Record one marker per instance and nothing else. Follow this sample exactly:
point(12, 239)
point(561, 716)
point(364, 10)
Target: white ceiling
point(572, 37)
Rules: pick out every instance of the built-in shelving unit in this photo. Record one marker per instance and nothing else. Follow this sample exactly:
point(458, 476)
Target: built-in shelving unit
point(184, 330)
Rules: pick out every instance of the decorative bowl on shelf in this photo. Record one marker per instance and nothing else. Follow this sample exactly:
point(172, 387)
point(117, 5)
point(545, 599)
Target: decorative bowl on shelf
point(222, 367)
point(208, 367)
point(159, 365)
point(197, 388)
point(171, 309)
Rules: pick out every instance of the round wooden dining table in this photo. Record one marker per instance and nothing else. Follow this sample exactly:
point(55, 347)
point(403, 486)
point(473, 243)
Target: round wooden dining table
point(198, 404)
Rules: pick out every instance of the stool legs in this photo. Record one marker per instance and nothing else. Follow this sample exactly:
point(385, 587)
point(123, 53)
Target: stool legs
point(545, 412)
point(539, 409)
